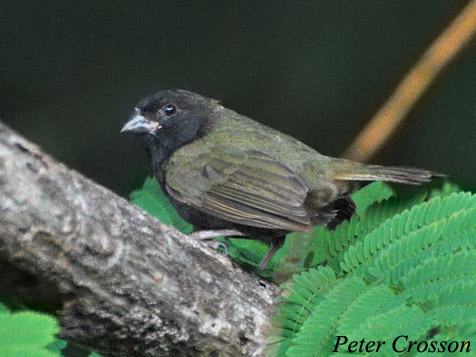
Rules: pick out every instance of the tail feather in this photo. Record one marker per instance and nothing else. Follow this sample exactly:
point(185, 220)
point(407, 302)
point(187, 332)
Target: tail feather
point(406, 175)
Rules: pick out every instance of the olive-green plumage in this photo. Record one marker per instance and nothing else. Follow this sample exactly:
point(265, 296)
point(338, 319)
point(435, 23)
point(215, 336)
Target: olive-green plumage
point(249, 173)
point(222, 169)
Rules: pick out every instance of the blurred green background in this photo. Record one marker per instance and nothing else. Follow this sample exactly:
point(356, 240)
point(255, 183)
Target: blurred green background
point(71, 73)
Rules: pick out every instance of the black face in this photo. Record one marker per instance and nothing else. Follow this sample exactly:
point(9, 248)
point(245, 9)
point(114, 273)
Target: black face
point(173, 117)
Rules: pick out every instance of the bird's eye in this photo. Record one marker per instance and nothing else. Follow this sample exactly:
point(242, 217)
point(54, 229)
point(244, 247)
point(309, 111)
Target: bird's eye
point(170, 109)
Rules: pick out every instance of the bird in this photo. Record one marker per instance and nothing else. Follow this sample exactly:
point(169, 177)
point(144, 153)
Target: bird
point(231, 176)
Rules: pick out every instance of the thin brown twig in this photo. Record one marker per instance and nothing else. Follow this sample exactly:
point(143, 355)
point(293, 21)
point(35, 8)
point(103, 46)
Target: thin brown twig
point(413, 86)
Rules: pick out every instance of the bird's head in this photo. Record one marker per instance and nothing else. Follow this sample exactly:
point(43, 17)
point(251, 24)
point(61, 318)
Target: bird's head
point(173, 117)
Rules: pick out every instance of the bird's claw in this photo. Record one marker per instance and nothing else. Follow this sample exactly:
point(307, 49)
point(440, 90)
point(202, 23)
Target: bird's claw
point(214, 244)
point(206, 237)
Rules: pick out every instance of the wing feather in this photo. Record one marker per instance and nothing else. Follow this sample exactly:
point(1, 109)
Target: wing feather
point(248, 188)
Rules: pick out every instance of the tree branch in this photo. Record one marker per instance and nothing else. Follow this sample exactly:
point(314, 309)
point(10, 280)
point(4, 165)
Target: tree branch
point(127, 284)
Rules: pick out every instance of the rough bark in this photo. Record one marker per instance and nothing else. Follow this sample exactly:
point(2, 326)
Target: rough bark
point(126, 283)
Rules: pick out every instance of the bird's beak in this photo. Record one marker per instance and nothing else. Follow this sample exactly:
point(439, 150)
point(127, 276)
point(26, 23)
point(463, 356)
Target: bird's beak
point(139, 124)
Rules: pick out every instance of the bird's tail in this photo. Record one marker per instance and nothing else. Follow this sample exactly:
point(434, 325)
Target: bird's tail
point(359, 172)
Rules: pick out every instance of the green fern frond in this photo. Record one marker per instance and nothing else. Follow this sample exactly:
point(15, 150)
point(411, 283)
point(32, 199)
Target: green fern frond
point(404, 223)
point(436, 239)
point(340, 239)
point(317, 335)
point(453, 315)
point(377, 213)
point(456, 242)
point(461, 221)
point(363, 307)
point(446, 189)
point(403, 320)
point(371, 194)
point(426, 281)
point(460, 294)
point(345, 233)
point(463, 331)
point(397, 259)
point(298, 299)
point(349, 232)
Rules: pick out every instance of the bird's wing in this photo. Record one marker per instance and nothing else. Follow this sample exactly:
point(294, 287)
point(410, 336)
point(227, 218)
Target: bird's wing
point(248, 188)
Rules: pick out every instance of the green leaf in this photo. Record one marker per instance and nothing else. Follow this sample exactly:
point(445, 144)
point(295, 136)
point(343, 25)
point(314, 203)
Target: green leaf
point(56, 346)
point(349, 232)
point(16, 351)
point(403, 320)
point(365, 306)
point(370, 194)
point(446, 189)
point(27, 334)
point(436, 210)
point(426, 281)
point(297, 301)
point(318, 333)
point(420, 259)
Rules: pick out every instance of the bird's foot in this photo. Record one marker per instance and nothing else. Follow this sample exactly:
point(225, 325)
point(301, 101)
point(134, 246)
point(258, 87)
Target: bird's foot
point(274, 247)
point(206, 237)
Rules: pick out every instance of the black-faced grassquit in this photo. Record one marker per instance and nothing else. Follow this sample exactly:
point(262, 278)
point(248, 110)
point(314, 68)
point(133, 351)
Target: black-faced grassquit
point(229, 174)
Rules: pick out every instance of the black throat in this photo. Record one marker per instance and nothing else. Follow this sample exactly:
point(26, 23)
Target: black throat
point(161, 146)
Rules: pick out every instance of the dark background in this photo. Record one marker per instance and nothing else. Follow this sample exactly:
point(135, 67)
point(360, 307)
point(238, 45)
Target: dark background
point(71, 73)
